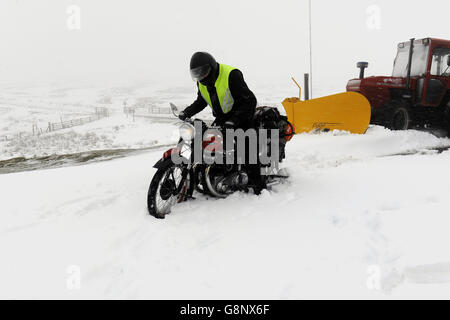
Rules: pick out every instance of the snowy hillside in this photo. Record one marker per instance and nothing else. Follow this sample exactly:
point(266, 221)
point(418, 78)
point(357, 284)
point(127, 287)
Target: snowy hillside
point(362, 217)
point(21, 108)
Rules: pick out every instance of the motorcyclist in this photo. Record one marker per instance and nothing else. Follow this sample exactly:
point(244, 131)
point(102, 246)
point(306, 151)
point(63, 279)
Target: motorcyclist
point(222, 88)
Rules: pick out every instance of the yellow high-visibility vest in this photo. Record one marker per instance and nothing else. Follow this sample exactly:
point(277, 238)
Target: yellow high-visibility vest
point(223, 91)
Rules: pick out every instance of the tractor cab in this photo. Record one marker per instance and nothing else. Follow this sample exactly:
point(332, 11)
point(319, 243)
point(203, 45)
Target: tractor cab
point(429, 72)
point(419, 58)
point(437, 80)
point(420, 82)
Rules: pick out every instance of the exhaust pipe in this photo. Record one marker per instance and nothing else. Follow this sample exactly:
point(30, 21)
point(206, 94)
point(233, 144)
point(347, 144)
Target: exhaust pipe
point(408, 77)
point(362, 66)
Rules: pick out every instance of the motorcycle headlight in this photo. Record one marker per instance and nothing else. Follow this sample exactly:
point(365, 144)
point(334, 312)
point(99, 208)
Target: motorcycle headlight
point(187, 132)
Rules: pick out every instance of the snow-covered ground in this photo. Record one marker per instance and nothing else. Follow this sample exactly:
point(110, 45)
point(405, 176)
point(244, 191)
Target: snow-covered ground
point(363, 216)
point(357, 220)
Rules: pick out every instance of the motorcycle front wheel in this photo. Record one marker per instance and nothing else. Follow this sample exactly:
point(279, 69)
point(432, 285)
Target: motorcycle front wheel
point(168, 187)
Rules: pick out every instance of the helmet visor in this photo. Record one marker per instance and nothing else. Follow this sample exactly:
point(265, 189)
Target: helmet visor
point(200, 73)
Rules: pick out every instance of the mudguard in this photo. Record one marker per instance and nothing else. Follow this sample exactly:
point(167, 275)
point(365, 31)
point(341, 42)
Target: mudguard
point(163, 163)
point(166, 160)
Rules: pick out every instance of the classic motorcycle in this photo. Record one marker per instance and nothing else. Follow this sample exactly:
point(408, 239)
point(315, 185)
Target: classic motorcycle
point(176, 181)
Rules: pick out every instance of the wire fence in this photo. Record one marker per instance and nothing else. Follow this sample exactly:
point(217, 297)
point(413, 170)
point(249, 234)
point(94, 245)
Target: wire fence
point(158, 110)
point(99, 114)
point(5, 138)
point(128, 110)
point(138, 110)
point(10, 137)
point(51, 127)
point(149, 110)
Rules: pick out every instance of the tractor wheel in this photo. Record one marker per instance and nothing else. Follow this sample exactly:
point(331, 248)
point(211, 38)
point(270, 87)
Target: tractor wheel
point(447, 119)
point(400, 118)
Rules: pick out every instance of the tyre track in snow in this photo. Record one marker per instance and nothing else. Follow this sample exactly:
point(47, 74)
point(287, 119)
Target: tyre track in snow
point(21, 164)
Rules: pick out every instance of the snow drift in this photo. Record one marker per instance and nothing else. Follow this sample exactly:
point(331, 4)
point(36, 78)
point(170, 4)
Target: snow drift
point(356, 220)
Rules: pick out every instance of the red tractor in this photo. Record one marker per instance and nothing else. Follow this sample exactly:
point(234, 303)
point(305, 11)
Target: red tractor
point(417, 93)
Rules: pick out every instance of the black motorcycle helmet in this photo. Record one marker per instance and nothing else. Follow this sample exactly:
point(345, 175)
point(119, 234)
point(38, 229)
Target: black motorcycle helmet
point(203, 67)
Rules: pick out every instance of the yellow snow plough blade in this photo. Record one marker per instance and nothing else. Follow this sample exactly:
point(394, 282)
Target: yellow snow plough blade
point(348, 111)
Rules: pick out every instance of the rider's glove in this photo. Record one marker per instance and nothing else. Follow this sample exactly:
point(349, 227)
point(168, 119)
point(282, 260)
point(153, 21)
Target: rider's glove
point(182, 116)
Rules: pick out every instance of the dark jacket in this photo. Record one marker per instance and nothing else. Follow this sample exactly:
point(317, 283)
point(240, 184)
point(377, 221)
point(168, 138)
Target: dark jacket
point(243, 108)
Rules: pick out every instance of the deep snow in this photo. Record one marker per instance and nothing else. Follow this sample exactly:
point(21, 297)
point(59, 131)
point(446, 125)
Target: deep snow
point(356, 220)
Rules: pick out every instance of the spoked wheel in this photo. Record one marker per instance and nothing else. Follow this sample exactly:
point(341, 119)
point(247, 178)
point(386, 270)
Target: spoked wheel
point(167, 188)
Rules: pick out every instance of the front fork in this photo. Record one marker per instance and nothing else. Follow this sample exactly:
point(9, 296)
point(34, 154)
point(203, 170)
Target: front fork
point(187, 169)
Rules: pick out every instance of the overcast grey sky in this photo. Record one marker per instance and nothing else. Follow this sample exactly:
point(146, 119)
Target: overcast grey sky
point(146, 40)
